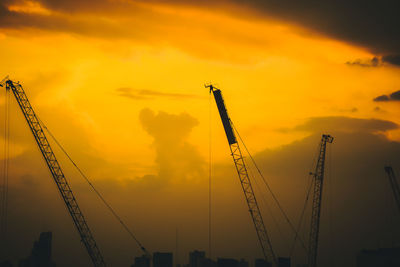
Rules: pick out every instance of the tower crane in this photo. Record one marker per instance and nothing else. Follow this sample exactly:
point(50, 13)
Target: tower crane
point(316, 204)
point(244, 177)
point(56, 171)
point(394, 185)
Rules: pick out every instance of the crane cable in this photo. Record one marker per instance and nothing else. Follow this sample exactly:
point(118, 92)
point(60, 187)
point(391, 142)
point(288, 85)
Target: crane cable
point(264, 200)
point(209, 178)
point(6, 164)
point(308, 191)
point(302, 216)
point(97, 192)
point(269, 188)
point(331, 211)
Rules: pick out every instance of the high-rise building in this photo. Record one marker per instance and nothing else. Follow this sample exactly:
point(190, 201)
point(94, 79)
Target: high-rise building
point(161, 259)
point(41, 253)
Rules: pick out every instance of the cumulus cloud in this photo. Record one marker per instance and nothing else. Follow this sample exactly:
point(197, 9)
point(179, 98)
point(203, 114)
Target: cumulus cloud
point(175, 157)
point(395, 96)
point(35, 204)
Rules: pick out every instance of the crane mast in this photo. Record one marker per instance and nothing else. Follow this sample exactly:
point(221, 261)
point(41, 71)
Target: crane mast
point(394, 185)
point(244, 177)
point(58, 175)
point(316, 204)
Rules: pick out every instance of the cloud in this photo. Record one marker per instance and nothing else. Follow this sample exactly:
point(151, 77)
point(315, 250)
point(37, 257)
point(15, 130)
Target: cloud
point(175, 157)
point(175, 196)
point(374, 62)
point(395, 96)
point(356, 188)
point(140, 94)
point(392, 59)
point(374, 24)
point(346, 124)
point(173, 188)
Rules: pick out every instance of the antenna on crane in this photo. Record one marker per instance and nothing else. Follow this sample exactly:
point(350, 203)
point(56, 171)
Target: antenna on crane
point(2, 83)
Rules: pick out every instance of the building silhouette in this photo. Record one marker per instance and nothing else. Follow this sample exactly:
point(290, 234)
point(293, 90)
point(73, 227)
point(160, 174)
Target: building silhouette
point(262, 263)
point(161, 259)
point(283, 262)
point(40, 254)
point(383, 257)
point(223, 262)
point(243, 263)
point(196, 258)
point(6, 264)
point(142, 261)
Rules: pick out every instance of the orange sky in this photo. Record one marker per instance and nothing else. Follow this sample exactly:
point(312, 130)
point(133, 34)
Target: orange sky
point(89, 75)
point(273, 75)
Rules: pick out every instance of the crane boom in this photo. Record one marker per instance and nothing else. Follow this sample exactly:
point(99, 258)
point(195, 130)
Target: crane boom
point(58, 175)
point(316, 204)
point(394, 185)
point(244, 178)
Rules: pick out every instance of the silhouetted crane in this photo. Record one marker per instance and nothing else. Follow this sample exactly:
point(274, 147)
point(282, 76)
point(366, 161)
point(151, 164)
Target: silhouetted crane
point(316, 204)
point(394, 185)
point(244, 178)
point(55, 169)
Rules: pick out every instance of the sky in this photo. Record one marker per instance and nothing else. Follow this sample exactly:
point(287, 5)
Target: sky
point(120, 83)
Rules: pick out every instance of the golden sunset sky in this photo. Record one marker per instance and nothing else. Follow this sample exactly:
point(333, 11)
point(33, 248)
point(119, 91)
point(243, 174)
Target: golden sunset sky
point(121, 85)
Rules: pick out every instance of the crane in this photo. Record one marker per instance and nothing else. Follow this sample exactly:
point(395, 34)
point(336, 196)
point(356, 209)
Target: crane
point(241, 169)
point(394, 185)
point(316, 204)
point(56, 171)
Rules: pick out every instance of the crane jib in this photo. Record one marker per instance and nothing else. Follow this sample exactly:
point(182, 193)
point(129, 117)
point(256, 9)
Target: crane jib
point(244, 178)
point(224, 117)
point(57, 173)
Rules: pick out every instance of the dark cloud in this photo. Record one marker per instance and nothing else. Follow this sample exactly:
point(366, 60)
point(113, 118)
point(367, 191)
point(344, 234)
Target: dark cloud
point(139, 94)
point(346, 124)
point(395, 96)
point(374, 62)
point(392, 59)
point(154, 206)
point(372, 24)
point(356, 190)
